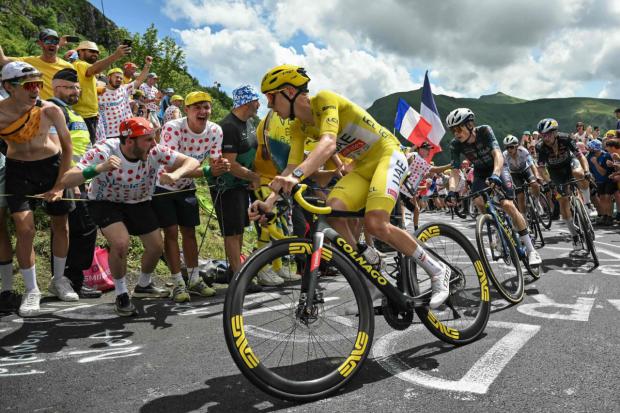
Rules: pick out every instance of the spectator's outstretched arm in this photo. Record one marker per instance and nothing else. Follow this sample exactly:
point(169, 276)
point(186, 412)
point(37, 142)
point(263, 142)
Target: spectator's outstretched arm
point(148, 61)
point(100, 65)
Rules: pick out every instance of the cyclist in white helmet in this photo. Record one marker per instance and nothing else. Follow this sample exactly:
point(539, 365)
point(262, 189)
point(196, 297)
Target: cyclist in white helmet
point(522, 169)
point(480, 147)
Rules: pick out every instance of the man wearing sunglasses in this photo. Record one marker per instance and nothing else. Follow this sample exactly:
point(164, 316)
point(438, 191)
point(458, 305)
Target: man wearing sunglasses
point(480, 147)
point(522, 169)
point(87, 67)
point(559, 153)
point(48, 63)
point(35, 162)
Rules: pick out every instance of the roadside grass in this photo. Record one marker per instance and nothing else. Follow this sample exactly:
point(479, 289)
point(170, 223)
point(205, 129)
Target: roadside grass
point(207, 234)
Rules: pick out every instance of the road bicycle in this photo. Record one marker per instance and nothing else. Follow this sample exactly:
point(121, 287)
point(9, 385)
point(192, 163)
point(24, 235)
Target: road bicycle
point(585, 231)
point(500, 248)
point(535, 214)
point(303, 341)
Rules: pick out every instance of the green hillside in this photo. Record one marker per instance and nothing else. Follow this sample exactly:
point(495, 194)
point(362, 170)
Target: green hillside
point(21, 21)
point(500, 98)
point(506, 114)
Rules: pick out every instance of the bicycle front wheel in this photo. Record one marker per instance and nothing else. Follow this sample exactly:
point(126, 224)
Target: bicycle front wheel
point(534, 222)
point(464, 316)
point(500, 259)
point(587, 231)
point(546, 215)
point(294, 355)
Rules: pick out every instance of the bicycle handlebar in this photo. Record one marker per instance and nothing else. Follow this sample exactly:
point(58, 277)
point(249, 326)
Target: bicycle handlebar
point(298, 195)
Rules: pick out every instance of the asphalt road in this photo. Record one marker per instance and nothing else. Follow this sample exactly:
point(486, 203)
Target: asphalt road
point(558, 350)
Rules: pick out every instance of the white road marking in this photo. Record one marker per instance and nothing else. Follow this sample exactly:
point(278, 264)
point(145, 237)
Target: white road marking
point(580, 311)
point(615, 303)
point(481, 375)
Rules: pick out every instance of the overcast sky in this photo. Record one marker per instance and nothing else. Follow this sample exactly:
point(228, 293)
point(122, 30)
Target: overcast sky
point(366, 50)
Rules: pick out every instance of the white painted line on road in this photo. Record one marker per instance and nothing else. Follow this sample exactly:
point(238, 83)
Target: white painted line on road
point(591, 290)
point(615, 303)
point(610, 269)
point(580, 311)
point(481, 375)
point(607, 244)
point(611, 254)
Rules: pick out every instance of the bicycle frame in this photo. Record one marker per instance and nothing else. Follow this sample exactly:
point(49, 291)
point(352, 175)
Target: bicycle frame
point(502, 220)
point(405, 300)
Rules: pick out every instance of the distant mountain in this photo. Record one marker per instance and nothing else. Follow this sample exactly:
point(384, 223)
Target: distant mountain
point(501, 98)
point(505, 114)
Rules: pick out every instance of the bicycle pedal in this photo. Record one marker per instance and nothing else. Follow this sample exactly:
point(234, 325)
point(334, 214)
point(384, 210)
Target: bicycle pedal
point(378, 310)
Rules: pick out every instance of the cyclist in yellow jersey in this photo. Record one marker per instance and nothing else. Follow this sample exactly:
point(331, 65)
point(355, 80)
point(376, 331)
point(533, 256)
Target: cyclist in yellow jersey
point(342, 127)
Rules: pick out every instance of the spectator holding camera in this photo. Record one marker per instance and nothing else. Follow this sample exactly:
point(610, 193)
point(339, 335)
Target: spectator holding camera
point(48, 63)
point(87, 67)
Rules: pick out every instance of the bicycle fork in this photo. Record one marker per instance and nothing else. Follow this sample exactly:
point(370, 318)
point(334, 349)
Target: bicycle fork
point(310, 298)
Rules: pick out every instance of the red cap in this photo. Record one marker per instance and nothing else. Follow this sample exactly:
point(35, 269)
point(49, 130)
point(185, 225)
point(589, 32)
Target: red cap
point(134, 127)
point(129, 65)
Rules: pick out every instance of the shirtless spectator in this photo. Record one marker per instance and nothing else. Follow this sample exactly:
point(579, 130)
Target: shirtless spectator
point(34, 165)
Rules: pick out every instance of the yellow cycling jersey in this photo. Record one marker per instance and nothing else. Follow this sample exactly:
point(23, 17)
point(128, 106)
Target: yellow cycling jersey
point(355, 130)
point(273, 146)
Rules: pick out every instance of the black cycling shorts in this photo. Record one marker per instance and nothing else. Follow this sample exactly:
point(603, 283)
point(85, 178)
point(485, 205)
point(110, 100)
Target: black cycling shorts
point(34, 178)
point(176, 208)
point(139, 219)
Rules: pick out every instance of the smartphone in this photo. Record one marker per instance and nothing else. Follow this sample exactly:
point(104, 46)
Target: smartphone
point(72, 39)
point(127, 42)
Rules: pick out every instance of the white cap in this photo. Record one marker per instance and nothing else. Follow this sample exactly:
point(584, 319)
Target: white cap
point(18, 70)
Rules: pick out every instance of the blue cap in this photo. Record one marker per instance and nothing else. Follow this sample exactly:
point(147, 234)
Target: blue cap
point(244, 94)
point(595, 145)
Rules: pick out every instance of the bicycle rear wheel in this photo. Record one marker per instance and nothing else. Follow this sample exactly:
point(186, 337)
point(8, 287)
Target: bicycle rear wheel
point(464, 316)
point(285, 354)
point(500, 259)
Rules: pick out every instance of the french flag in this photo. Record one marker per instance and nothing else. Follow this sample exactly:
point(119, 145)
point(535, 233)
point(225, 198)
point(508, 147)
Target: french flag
point(431, 114)
point(410, 124)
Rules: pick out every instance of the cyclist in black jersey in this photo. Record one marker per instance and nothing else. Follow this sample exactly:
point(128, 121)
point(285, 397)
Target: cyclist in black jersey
point(479, 145)
point(558, 152)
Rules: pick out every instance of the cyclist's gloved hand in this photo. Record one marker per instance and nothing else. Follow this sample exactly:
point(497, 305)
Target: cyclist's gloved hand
point(495, 180)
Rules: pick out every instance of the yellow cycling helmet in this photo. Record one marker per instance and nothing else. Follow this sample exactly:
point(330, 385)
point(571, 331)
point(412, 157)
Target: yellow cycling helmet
point(284, 75)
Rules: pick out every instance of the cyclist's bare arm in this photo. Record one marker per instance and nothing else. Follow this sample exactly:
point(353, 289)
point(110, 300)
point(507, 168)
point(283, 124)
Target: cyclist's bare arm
point(454, 180)
point(498, 161)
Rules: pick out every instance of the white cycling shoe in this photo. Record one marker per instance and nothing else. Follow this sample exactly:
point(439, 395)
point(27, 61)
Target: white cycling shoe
point(440, 284)
point(534, 258)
